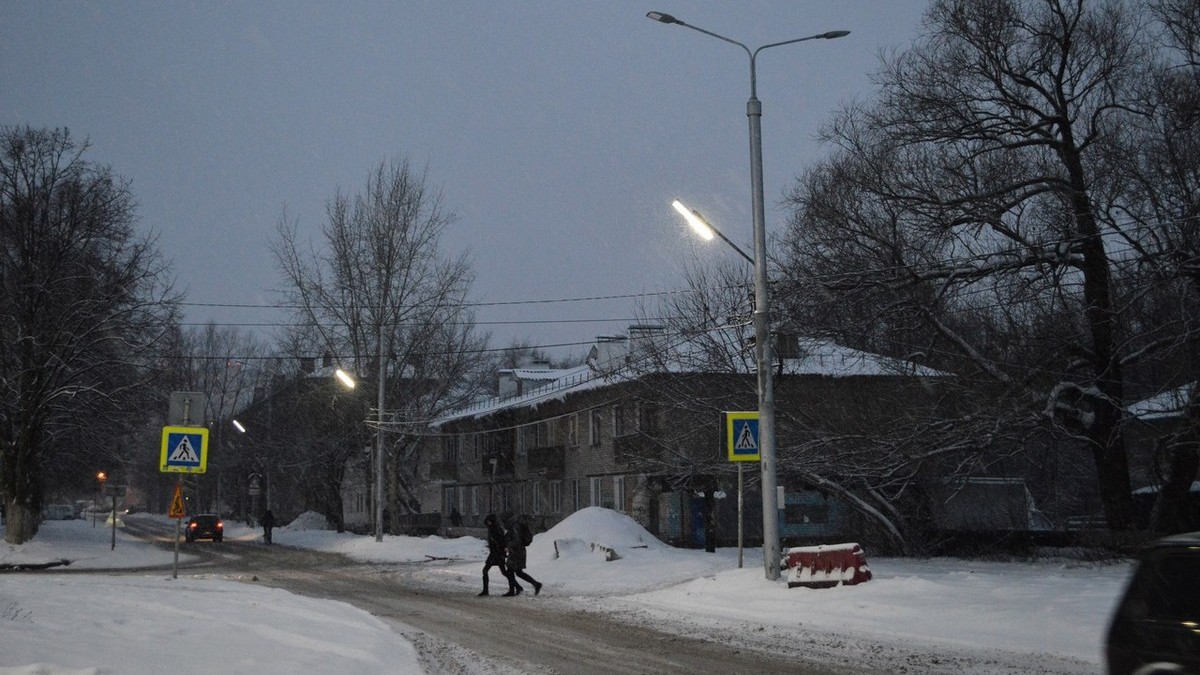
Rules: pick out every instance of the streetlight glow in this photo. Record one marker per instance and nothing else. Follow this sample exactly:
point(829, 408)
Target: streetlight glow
point(698, 225)
point(344, 378)
point(762, 330)
point(705, 229)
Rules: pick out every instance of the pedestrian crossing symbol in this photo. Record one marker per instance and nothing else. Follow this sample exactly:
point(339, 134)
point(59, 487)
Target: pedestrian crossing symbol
point(184, 450)
point(741, 436)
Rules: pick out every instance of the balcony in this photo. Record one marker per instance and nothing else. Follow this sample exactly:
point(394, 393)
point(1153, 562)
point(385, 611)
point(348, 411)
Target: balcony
point(443, 471)
point(503, 464)
point(633, 448)
point(551, 459)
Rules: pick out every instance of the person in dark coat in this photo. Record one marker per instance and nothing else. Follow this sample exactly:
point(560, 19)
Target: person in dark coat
point(495, 557)
point(519, 536)
point(268, 523)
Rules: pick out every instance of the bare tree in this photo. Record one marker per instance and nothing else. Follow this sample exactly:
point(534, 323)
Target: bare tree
point(974, 215)
point(84, 306)
point(382, 297)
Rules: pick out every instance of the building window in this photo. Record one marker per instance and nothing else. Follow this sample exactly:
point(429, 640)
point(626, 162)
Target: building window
point(447, 500)
point(647, 417)
point(576, 502)
point(536, 496)
point(474, 500)
point(545, 435)
point(555, 505)
point(619, 493)
point(594, 498)
point(450, 449)
point(594, 428)
point(618, 424)
point(572, 430)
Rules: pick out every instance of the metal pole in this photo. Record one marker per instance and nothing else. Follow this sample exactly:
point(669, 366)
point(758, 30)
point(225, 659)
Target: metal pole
point(762, 333)
point(178, 523)
point(762, 343)
point(114, 522)
point(379, 445)
point(741, 502)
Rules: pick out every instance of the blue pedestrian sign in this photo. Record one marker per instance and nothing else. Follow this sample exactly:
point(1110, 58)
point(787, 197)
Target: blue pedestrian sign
point(184, 450)
point(741, 436)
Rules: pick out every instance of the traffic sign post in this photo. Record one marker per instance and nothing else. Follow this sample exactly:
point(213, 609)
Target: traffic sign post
point(177, 511)
point(184, 450)
point(741, 445)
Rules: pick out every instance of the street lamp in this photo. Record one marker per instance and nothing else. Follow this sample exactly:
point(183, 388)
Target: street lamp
point(706, 229)
point(349, 382)
point(100, 478)
point(766, 395)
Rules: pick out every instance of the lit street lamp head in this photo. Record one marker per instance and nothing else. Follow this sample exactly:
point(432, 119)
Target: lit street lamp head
point(238, 425)
point(693, 218)
point(344, 378)
point(662, 18)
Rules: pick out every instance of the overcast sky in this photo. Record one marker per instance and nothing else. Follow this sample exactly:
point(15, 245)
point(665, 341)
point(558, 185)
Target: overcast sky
point(559, 131)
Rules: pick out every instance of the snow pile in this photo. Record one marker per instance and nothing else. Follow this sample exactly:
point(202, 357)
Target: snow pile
point(593, 532)
point(155, 624)
point(309, 520)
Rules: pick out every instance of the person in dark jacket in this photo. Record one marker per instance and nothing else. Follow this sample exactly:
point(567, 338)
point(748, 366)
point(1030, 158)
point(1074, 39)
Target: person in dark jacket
point(268, 523)
point(519, 536)
point(495, 557)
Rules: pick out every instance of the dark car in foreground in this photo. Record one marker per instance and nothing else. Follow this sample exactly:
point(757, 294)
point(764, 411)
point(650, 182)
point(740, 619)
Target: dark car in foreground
point(205, 526)
point(1156, 627)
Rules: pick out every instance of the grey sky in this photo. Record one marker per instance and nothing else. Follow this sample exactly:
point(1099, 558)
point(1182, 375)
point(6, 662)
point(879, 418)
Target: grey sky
point(559, 131)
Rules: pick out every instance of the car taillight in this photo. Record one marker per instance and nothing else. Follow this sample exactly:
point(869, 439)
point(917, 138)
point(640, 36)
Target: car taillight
point(220, 525)
point(192, 525)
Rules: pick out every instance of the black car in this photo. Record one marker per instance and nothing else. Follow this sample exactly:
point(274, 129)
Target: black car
point(1156, 628)
point(205, 526)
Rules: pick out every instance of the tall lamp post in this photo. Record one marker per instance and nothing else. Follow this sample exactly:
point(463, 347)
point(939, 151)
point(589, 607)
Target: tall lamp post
point(766, 394)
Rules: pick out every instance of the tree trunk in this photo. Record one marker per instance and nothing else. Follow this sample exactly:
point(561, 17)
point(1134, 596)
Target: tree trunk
point(1173, 510)
point(20, 523)
point(1105, 432)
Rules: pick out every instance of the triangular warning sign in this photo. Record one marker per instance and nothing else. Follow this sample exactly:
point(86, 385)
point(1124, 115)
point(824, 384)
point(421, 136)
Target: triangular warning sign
point(745, 439)
point(176, 510)
point(184, 452)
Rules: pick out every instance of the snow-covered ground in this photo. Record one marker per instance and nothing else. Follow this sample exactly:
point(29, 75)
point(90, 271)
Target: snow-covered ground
point(1055, 609)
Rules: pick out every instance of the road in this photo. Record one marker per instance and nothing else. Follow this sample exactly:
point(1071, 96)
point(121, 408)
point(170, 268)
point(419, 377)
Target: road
point(456, 632)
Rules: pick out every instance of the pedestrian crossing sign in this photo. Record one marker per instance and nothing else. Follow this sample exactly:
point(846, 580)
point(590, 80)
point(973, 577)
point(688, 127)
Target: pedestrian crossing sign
point(184, 450)
point(741, 436)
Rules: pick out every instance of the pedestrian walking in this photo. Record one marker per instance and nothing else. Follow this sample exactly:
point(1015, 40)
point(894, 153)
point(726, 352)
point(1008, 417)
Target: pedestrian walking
point(268, 523)
point(496, 548)
point(519, 537)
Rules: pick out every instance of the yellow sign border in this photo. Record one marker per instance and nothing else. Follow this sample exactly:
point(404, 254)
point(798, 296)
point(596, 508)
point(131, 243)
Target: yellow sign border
point(202, 432)
point(730, 419)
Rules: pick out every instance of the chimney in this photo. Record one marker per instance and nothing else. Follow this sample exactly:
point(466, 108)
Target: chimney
point(608, 353)
point(507, 383)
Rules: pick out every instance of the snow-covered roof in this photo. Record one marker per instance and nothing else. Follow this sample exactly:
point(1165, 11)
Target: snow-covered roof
point(1167, 405)
point(818, 357)
point(548, 374)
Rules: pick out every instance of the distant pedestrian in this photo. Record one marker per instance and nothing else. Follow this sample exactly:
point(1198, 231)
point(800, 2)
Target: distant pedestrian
point(496, 546)
point(519, 537)
point(455, 517)
point(268, 523)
